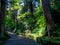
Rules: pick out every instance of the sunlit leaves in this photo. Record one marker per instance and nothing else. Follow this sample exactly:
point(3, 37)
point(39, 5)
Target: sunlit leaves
point(34, 24)
point(22, 15)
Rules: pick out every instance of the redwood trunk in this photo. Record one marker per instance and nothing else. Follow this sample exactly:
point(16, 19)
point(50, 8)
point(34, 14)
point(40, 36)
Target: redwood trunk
point(2, 14)
point(47, 13)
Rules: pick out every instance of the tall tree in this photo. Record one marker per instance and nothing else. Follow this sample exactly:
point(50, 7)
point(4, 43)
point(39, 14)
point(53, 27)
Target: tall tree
point(2, 15)
point(31, 9)
point(47, 13)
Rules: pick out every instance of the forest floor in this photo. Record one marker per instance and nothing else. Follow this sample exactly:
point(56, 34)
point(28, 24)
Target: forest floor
point(18, 40)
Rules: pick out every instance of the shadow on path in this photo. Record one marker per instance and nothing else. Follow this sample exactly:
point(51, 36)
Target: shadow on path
point(18, 40)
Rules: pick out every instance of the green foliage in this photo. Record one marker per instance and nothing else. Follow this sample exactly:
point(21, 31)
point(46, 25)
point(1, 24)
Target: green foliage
point(38, 0)
point(40, 20)
point(56, 11)
point(55, 5)
point(31, 26)
point(35, 26)
point(23, 15)
point(8, 22)
point(49, 41)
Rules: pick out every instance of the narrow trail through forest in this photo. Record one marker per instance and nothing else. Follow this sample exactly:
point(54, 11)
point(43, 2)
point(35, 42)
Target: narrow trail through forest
point(18, 40)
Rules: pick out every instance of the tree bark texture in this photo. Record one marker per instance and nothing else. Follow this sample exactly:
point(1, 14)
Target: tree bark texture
point(2, 15)
point(47, 13)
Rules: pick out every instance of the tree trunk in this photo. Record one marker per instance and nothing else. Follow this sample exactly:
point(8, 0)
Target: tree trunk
point(31, 6)
point(47, 13)
point(2, 17)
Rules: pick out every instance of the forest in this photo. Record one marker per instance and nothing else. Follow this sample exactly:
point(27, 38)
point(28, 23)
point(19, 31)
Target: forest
point(36, 20)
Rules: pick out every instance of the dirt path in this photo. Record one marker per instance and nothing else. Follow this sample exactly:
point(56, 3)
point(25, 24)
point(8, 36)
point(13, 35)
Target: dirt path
point(18, 40)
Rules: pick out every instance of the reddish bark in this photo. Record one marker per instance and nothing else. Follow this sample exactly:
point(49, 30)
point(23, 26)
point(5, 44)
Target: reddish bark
point(47, 13)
